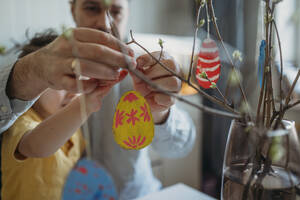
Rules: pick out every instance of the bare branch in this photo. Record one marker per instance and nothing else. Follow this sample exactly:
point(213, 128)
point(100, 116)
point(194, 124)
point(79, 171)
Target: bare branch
point(198, 106)
point(219, 91)
point(281, 64)
point(194, 42)
point(212, 13)
point(130, 68)
point(201, 92)
point(161, 51)
point(288, 98)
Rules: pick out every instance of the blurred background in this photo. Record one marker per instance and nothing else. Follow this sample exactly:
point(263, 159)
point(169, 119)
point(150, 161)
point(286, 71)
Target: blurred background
point(240, 24)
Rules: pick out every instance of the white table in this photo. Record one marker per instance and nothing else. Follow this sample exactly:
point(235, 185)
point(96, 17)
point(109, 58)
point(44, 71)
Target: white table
point(177, 192)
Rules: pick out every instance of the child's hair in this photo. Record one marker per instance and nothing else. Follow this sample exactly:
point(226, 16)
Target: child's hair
point(38, 41)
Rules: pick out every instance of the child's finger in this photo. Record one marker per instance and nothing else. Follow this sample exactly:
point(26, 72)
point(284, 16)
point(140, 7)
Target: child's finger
point(105, 83)
point(101, 91)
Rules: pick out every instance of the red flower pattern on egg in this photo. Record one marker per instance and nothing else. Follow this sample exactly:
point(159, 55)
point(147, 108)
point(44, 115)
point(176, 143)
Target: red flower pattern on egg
point(119, 118)
point(131, 117)
point(131, 97)
point(145, 113)
point(133, 142)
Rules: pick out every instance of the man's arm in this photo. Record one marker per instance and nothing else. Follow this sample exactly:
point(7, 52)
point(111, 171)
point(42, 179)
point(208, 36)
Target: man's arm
point(23, 83)
point(10, 109)
point(52, 66)
point(99, 55)
point(176, 137)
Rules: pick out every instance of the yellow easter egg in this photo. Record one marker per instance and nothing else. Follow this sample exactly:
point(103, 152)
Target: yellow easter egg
point(133, 125)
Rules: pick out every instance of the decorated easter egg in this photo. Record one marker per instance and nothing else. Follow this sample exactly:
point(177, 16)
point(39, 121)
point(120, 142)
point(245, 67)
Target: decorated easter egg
point(208, 62)
point(89, 181)
point(133, 125)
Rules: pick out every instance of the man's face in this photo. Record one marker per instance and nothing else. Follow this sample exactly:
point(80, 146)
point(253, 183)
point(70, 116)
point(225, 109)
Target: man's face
point(91, 14)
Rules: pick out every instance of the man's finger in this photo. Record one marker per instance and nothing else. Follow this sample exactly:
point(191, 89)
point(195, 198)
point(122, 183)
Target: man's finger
point(97, 70)
point(88, 35)
point(71, 84)
point(164, 100)
point(155, 107)
point(142, 88)
point(158, 71)
point(135, 78)
point(102, 54)
point(89, 85)
point(147, 60)
point(101, 91)
point(171, 84)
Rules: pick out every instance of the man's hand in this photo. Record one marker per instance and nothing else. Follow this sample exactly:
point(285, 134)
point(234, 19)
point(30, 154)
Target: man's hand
point(94, 99)
point(99, 55)
point(158, 102)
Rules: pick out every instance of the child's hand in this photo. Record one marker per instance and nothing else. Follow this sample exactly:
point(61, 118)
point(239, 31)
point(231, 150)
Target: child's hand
point(94, 99)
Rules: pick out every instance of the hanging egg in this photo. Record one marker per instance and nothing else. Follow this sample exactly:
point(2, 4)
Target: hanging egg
point(133, 125)
point(208, 62)
point(89, 181)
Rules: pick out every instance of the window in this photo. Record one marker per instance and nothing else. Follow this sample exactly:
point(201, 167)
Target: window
point(288, 22)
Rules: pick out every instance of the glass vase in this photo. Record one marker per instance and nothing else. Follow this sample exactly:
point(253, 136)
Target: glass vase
point(261, 164)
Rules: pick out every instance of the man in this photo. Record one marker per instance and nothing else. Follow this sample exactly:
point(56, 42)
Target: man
point(100, 56)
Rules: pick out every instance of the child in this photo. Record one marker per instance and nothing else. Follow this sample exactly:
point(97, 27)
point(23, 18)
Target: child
point(43, 145)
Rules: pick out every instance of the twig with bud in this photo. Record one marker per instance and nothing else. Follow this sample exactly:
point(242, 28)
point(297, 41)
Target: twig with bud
point(199, 23)
point(200, 92)
point(213, 17)
point(232, 113)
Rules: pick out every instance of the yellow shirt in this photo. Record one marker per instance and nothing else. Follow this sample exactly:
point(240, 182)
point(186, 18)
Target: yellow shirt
point(35, 178)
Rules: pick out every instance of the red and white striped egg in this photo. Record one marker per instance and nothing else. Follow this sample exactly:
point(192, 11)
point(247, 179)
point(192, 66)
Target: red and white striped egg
point(209, 62)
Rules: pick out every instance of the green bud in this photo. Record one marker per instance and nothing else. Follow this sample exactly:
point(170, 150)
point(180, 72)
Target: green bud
point(63, 28)
point(107, 3)
point(277, 140)
point(2, 49)
point(245, 107)
point(68, 33)
point(201, 23)
point(237, 55)
point(213, 85)
point(161, 42)
point(234, 78)
point(276, 152)
point(268, 18)
point(250, 126)
point(202, 3)
point(203, 75)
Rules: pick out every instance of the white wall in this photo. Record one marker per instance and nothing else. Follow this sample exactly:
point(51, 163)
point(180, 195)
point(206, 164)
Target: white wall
point(162, 16)
point(287, 24)
point(147, 16)
point(16, 16)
